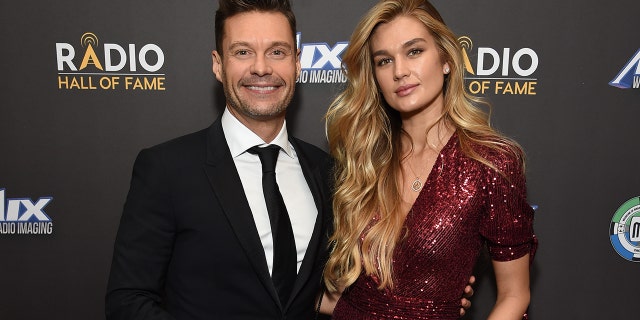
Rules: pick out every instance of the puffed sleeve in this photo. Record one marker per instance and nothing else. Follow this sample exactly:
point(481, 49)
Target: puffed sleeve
point(507, 224)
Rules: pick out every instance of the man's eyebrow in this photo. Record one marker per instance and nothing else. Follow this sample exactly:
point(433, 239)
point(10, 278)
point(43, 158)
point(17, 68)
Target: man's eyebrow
point(284, 45)
point(271, 45)
point(238, 44)
point(281, 44)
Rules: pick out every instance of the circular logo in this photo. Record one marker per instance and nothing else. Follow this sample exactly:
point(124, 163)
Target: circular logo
point(625, 230)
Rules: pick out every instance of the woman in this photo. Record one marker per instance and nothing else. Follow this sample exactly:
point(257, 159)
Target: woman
point(422, 180)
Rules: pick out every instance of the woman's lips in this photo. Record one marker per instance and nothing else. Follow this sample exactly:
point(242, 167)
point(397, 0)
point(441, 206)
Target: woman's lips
point(405, 90)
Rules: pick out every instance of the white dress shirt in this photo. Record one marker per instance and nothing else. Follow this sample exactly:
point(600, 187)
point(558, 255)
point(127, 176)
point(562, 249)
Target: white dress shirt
point(293, 186)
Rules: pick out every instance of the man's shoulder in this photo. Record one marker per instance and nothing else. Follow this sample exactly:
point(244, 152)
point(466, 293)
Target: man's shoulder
point(184, 142)
point(183, 149)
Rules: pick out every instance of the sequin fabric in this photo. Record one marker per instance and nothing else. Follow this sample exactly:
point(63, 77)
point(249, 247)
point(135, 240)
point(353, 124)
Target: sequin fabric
point(463, 205)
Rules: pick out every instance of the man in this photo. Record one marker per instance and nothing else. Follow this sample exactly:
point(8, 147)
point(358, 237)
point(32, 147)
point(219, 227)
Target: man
point(195, 239)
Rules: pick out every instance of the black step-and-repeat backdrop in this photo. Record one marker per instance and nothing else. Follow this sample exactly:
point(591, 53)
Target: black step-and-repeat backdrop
point(84, 85)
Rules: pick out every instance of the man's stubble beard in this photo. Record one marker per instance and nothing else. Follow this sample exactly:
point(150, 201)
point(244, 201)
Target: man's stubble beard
point(251, 111)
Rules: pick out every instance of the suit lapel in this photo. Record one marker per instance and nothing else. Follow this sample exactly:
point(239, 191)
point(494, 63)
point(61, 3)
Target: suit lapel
point(314, 178)
point(227, 188)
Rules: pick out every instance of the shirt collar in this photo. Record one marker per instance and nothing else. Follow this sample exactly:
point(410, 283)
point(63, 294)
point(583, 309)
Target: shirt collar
point(240, 138)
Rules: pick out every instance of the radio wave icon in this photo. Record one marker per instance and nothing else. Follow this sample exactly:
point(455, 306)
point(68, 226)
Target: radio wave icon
point(467, 45)
point(89, 39)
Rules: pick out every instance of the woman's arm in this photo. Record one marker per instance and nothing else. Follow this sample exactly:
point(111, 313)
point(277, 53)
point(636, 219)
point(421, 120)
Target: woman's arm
point(329, 301)
point(512, 280)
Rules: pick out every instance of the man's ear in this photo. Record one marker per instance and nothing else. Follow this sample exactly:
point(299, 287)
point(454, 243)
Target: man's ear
point(298, 65)
point(217, 64)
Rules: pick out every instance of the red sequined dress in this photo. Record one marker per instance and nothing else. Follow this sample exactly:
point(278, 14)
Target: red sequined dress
point(462, 205)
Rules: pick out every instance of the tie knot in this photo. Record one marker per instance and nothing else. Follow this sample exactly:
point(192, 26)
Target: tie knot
point(268, 156)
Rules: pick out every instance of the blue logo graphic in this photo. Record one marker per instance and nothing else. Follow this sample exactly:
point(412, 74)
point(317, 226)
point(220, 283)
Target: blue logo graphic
point(624, 230)
point(320, 62)
point(629, 76)
point(23, 216)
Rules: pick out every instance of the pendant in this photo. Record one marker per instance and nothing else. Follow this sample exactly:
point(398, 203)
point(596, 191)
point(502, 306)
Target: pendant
point(416, 185)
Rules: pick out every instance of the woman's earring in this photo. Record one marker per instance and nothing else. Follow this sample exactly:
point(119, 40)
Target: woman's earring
point(446, 70)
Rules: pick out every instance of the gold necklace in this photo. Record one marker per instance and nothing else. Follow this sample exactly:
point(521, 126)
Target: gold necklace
point(417, 184)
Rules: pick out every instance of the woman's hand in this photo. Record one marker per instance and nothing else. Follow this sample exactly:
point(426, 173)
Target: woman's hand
point(466, 295)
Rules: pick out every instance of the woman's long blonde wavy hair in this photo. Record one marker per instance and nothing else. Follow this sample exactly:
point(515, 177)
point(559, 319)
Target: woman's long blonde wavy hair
point(364, 138)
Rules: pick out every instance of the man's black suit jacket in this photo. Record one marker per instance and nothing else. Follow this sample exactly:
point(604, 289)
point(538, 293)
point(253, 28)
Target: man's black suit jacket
point(187, 246)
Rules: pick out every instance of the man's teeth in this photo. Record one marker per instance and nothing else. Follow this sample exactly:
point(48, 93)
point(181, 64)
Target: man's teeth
point(261, 88)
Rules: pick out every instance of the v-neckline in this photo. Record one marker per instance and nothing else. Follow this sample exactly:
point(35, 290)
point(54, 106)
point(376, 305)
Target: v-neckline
point(437, 166)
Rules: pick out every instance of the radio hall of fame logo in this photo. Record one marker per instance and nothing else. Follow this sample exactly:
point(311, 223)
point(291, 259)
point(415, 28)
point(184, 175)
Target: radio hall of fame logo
point(503, 71)
point(629, 76)
point(109, 66)
point(625, 230)
point(23, 216)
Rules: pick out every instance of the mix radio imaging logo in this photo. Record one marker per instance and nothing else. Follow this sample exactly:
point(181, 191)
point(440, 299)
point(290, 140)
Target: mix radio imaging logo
point(23, 216)
point(629, 76)
point(321, 63)
point(109, 66)
point(624, 230)
point(503, 71)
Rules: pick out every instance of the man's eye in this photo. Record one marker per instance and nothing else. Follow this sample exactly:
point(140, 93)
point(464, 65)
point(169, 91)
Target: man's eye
point(278, 53)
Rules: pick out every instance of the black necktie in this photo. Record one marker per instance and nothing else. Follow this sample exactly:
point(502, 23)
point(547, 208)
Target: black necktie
point(284, 270)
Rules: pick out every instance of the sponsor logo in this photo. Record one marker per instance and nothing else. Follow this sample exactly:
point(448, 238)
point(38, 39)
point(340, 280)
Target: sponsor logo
point(320, 62)
point(23, 216)
point(629, 76)
point(109, 66)
point(624, 230)
point(506, 71)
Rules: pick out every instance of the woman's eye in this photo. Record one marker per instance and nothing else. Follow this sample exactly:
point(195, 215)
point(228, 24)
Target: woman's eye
point(414, 52)
point(384, 61)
